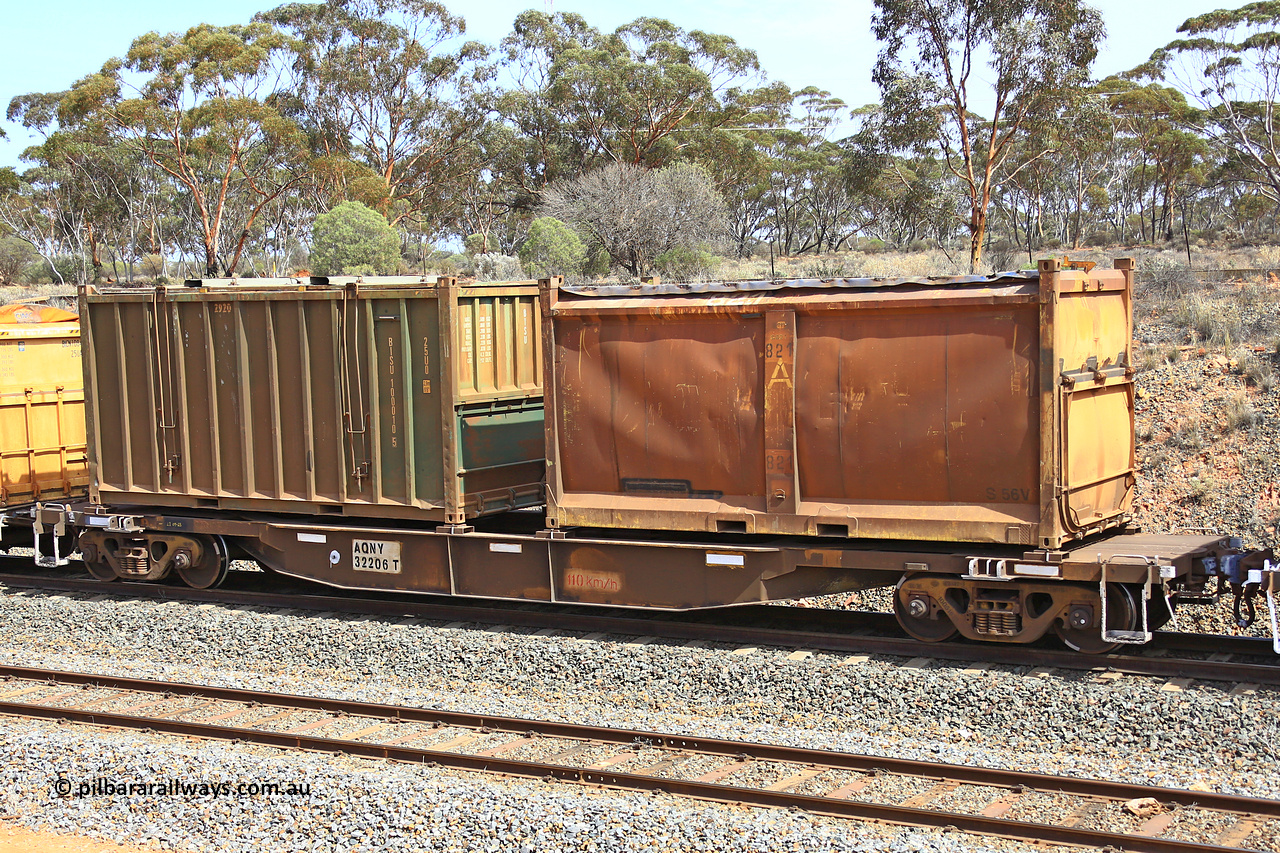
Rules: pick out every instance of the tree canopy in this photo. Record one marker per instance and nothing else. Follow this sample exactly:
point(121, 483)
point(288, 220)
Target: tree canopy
point(216, 150)
point(1032, 55)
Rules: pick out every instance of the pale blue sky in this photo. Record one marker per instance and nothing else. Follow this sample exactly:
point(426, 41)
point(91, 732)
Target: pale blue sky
point(48, 44)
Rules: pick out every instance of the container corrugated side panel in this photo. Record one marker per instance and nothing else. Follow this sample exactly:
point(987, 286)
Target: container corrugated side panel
point(662, 407)
point(405, 404)
point(123, 444)
point(268, 399)
point(316, 400)
point(42, 427)
point(919, 406)
point(499, 342)
point(499, 423)
point(930, 413)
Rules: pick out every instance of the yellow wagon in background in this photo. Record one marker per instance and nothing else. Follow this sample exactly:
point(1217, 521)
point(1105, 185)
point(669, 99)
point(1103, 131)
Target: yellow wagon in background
point(42, 432)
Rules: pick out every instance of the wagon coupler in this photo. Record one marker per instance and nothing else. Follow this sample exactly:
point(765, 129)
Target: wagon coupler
point(1247, 575)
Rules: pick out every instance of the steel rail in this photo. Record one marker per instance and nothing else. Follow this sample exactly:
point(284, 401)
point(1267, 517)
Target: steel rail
point(662, 625)
point(906, 815)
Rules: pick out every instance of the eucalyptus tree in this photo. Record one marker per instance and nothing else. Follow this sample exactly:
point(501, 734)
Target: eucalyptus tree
point(82, 173)
point(645, 94)
point(389, 86)
point(32, 211)
point(1018, 58)
point(1229, 63)
point(1167, 156)
point(810, 206)
point(197, 106)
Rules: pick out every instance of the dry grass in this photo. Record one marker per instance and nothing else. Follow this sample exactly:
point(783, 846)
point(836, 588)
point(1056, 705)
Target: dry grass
point(1164, 270)
point(846, 265)
point(1240, 414)
point(1256, 368)
point(1187, 434)
point(58, 295)
point(1213, 321)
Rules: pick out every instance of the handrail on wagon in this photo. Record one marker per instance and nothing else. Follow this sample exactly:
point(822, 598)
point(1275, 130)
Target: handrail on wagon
point(1154, 575)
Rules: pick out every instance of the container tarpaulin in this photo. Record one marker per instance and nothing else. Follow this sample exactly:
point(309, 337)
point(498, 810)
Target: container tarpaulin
point(390, 398)
point(981, 409)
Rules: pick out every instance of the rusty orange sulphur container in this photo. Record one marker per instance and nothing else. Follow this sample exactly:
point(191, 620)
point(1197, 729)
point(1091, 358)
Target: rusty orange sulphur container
point(973, 409)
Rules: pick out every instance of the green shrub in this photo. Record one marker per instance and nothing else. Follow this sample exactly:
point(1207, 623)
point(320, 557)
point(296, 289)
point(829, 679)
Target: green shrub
point(598, 264)
point(825, 268)
point(1201, 485)
point(40, 272)
point(15, 256)
point(552, 248)
point(498, 267)
point(353, 239)
point(680, 263)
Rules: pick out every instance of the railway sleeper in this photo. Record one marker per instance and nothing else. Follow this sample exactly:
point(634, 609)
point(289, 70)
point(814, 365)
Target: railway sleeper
point(935, 608)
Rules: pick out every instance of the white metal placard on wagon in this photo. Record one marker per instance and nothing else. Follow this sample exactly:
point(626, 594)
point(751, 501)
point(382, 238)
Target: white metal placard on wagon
point(369, 555)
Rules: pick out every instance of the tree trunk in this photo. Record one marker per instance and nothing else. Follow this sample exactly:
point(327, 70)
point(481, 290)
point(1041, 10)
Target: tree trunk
point(96, 259)
point(977, 231)
point(210, 260)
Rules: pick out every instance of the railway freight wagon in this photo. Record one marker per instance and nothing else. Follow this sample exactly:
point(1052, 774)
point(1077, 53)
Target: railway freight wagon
point(994, 410)
point(968, 441)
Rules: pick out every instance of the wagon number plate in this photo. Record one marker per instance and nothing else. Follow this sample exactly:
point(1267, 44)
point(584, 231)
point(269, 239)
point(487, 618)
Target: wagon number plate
point(372, 556)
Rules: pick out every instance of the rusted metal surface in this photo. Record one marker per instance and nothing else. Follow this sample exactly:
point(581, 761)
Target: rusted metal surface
point(42, 432)
point(972, 410)
point(510, 558)
point(395, 399)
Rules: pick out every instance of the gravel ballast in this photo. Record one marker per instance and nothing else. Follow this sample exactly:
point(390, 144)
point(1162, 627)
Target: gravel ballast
point(1128, 730)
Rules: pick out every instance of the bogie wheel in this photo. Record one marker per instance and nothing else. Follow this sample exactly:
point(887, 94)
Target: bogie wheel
point(211, 571)
point(1122, 615)
point(97, 563)
point(919, 624)
point(101, 570)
